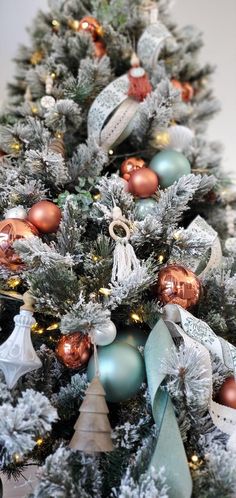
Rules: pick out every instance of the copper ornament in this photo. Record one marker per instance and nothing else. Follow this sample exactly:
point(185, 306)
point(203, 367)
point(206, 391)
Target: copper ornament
point(143, 183)
point(227, 393)
point(91, 25)
point(13, 229)
point(74, 350)
point(129, 165)
point(178, 285)
point(186, 89)
point(45, 216)
point(99, 49)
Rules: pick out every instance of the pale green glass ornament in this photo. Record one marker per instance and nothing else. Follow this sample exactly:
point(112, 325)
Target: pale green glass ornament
point(170, 165)
point(122, 371)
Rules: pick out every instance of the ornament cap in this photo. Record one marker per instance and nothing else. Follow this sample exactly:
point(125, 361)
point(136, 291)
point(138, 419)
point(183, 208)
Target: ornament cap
point(29, 302)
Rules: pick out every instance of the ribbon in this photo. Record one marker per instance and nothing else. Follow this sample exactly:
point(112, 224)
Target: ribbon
point(198, 263)
point(169, 452)
point(151, 43)
point(195, 333)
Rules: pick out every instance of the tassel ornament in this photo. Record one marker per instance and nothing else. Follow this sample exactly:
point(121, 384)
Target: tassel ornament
point(124, 258)
point(139, 84)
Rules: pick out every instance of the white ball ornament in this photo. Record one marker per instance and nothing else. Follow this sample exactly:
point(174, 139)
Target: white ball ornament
point(17, 212)
point(105, 336)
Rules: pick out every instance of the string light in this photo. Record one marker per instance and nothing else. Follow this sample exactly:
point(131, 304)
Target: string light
point(39, 441)
point(59, 134)
point(162, 138)
point(73, 24)
point(176, 235)
point(13, 282)
point(56, 24)
point(36, 57)
point(135, 317)
point(53, 75)
point(96, 197)
point(53, 326)
point(34, 109)
point(15, 146)
point(111, 152)
point(161, 258)
point(104, 291)
point(17, 458)
point(38, 329)
point(194, 458)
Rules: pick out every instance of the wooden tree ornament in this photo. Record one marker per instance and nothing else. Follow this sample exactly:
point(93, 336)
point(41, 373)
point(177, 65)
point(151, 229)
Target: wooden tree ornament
point(92, 429)
point(57, 145)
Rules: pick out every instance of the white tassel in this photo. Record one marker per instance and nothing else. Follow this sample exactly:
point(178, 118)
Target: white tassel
point(124, 257)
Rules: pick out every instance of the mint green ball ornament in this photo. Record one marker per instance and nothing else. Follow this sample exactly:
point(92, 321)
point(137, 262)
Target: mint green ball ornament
point(143, 207)
point(170, 165)
point(122, 371)
point(132, 335)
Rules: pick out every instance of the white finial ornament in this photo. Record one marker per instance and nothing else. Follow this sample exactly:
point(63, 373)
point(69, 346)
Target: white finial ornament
point(17, 355)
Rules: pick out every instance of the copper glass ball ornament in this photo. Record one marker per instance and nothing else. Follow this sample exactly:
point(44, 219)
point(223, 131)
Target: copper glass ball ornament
point(13, 229)
point(45, 216)
point(129, 165)
point(74, 350)
point(99, 49)
point(143, 183)
point(178, 285)
point(227, 393)
point(92, 26)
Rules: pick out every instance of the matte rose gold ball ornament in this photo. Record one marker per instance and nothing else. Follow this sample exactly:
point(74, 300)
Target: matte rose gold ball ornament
point(143, 183)
point(45, 216)
point(130, 165)
point(178, 285)
point(74, 350)
point(227, 393)
point(13, 229)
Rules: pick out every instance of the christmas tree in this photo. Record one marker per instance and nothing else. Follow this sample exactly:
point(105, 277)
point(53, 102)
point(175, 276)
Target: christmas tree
point(118, 224)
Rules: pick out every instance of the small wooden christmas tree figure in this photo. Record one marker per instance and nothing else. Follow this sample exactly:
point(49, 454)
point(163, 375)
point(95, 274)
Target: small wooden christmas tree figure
point(92, 429)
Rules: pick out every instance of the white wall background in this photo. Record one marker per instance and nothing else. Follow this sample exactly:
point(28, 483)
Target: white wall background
point(216, 18)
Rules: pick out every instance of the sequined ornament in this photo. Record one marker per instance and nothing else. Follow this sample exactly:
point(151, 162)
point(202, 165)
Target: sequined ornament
point(45, 216)
point(17, 355)
point(143, 183)
point(92, 26)
point(10, 231)
point(178, 285)
point(74, 350)
point(129, 165)
point(227, 393)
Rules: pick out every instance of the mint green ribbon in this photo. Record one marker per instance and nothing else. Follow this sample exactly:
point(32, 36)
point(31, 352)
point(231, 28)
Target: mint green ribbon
point(169, 451)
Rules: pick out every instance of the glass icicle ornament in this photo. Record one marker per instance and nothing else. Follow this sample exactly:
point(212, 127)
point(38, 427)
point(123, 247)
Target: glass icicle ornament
point(17, 355)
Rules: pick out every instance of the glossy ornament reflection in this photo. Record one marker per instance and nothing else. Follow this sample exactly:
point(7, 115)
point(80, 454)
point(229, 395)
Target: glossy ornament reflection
point(130, 165)
point(178, 285)
point(227, 393)
point(11, 230)
point(74, 350)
